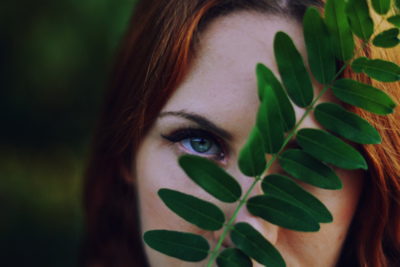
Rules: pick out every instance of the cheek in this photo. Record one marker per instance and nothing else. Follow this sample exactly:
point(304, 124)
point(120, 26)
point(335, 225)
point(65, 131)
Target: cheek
point(349, 195)
point(153, 172)
point(329, 240)
point(157, 167)
point(343, 203)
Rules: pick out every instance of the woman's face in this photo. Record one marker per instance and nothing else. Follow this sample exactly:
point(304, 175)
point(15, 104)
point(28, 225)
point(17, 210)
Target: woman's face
point(211, 115)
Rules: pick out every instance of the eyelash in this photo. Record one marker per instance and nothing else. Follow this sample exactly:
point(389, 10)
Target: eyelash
point(189, 133)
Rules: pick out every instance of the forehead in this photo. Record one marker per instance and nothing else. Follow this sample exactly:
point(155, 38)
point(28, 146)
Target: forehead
point(221, 81)
point(240, 40)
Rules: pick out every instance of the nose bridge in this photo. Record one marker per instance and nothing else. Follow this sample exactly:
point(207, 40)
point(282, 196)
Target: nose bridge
point(246, 182)
point(268, 230)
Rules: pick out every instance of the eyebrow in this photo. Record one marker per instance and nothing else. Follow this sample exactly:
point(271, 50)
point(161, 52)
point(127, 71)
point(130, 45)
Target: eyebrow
point(198, 119)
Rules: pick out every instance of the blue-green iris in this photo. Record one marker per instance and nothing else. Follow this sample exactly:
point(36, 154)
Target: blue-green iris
point(200, 145)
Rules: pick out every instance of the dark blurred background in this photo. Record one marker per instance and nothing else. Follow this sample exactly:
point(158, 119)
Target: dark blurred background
point(54, 61)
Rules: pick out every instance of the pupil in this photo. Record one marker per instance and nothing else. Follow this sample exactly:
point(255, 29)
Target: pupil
point(200, 145)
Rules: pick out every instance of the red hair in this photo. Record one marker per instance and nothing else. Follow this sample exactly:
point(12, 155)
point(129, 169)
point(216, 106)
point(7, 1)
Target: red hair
point(152, 60)
point(378, 218)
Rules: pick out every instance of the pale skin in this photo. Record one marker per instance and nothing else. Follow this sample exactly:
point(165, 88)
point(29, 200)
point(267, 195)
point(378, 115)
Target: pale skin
point(220, 86)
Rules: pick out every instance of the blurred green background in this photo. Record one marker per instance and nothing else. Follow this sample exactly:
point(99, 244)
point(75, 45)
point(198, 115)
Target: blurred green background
point(54, 61)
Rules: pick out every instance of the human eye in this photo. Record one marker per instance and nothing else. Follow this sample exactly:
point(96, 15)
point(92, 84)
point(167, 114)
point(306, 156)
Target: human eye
point(198, 142)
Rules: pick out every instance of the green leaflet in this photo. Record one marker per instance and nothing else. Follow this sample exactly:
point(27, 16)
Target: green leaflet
point(306, 168)
point(378, 69)
point(360, 22)
point(286, 189)
point(268, 122)
point(211, 178)
point(387, 38)
point(251, 242)
point(330, 149)
point(363, 96)
point(294, 74)
point(252, 158)
point(346, 124)
point(233, 257)
point(319, 49)
point(339, 29)
point(184, 246)
point(397, 3)
point(282, 213)
point(266, 77)
point(358, 64)
point(395, 20)
point(381, 6)
point(203, 214)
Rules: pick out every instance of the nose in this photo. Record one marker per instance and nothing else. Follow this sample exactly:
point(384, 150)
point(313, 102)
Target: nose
point(268, 230)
